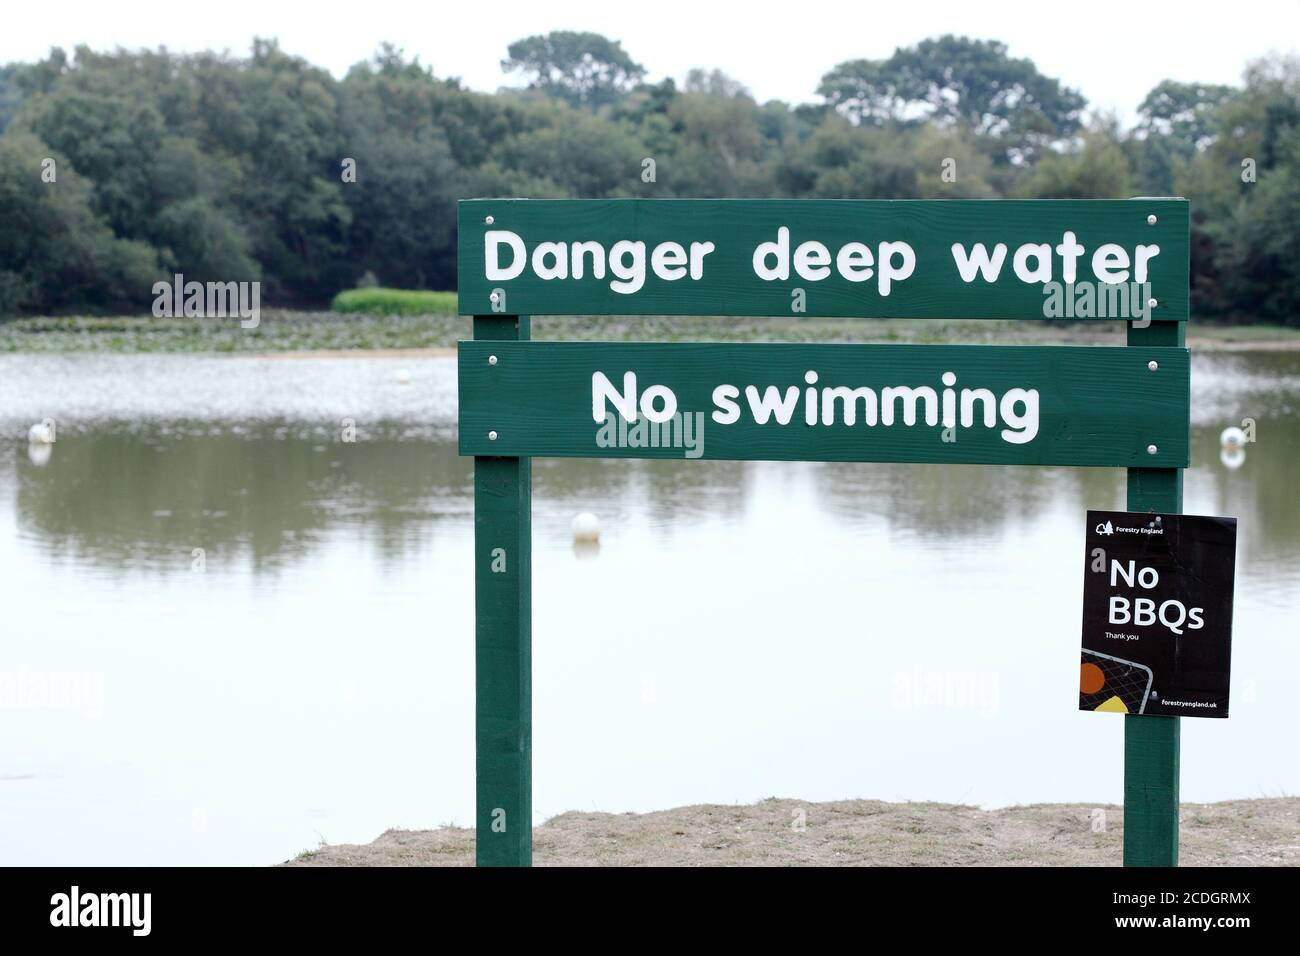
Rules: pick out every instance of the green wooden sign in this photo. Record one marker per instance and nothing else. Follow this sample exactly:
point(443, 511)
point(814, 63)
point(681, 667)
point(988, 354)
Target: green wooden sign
point(978, 259)
point(921, 403)
point(1118, 407)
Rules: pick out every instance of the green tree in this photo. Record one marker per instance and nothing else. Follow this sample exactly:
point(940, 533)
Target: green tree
point(1099, 170)
point(865, 91)
point(110, 137)
point(229, 167)
point(55, 253)
point(1243, 199)
point(11, 94)
point(291, 187)
point(939, 151)
point(718, 146)
point(403, 203)
point(714, 83)
point(954, 79)
point(582, 69)
point(583, 156)
point(842, 161)
point(1184, 111)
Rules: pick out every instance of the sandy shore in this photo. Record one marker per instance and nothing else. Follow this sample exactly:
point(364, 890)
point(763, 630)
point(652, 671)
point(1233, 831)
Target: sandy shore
point(1263, 832)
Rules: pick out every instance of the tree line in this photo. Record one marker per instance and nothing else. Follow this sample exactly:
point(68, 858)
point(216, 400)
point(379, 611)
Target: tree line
point(119, 169)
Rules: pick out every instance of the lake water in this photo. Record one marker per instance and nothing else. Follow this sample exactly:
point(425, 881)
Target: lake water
point(818, 631)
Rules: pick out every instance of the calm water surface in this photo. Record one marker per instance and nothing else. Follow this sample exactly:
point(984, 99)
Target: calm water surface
point(818, 631)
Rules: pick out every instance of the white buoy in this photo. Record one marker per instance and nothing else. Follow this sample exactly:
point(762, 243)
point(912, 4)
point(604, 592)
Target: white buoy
point(42, 433)
point(39, 453)
point(1232, 456)
point(586, 527)
point(1232, 437)
point(403, 377)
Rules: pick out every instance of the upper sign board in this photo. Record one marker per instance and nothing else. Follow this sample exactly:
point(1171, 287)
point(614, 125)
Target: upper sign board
point(1124, 259)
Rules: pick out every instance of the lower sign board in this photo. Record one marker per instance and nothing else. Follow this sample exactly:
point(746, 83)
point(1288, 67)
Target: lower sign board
point(1027, 405)
point(1157, 614)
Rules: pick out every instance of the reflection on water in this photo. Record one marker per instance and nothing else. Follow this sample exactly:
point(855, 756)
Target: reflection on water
point(123, 498)
point(745, 629)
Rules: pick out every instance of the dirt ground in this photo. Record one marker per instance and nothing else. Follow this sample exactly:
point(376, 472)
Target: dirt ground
point(1264, 832)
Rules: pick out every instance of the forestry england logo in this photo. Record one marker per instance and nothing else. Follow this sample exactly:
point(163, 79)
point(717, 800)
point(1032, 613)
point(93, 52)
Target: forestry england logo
point(102, 909)
point(1153, 527)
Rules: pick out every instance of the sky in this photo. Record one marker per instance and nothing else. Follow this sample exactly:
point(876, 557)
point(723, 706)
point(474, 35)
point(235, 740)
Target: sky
point(1113, 52)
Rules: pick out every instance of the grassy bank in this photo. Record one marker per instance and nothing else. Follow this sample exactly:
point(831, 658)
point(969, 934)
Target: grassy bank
point(295, 331)
point(279, 330)
point(855, 833)
point(380, 301)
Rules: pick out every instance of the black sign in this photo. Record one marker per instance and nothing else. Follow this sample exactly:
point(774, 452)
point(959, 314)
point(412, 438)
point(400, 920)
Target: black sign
point(1157, 614)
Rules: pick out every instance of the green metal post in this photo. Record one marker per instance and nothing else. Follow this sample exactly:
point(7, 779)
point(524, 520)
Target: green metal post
point(1151, 744)
point(503, 679)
